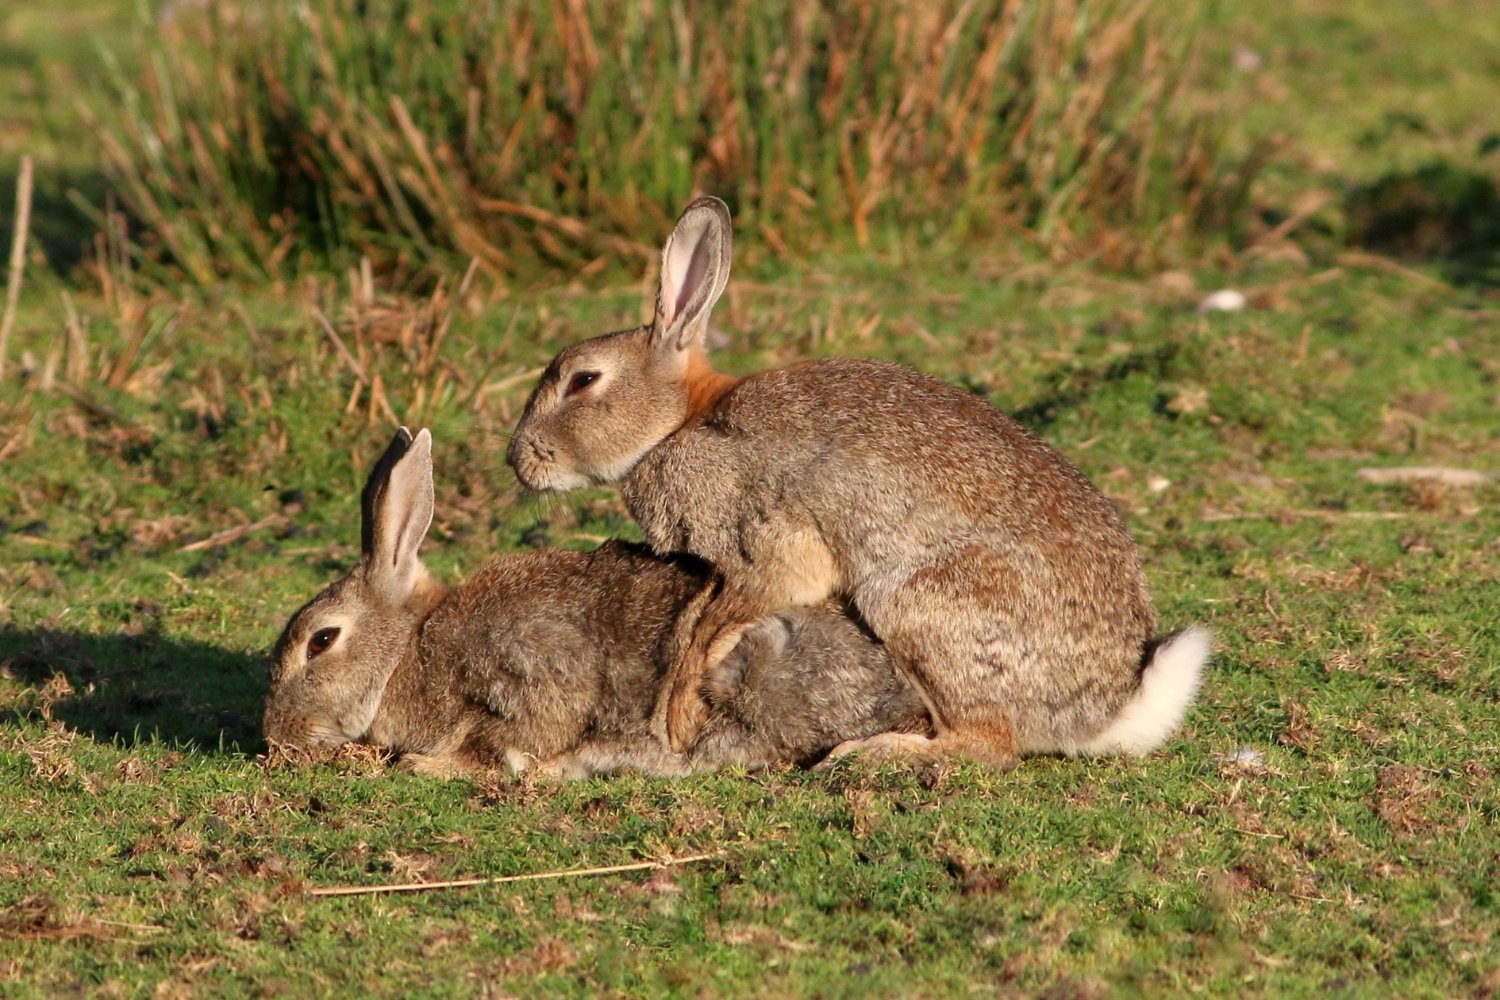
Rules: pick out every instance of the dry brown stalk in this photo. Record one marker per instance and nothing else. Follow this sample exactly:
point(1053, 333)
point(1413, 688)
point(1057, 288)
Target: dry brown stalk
point(233, 534)
point(1215, 517)
point(463, 883)
point(1376, 262)
point(17, 257)
point(125, 363)
point(465, 235)
point(77, 364)
point(508, 382)
point(568, 227)
point(1425, 474)
point(94, 408)
point(341, 347)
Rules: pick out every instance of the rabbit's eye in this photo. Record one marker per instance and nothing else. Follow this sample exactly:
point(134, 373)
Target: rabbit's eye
point(320, 641)
point(581, 381)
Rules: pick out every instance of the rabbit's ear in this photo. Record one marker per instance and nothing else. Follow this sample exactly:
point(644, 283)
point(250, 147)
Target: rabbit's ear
point(396, 509)
point(694, 271)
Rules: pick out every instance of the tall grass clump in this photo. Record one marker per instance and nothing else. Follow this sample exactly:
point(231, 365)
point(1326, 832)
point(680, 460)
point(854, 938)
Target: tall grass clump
point(260, 139)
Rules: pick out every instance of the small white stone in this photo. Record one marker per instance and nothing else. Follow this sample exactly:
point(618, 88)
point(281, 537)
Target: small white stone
point(1157, 484)
point(1224, 300)
point(1246, 59)
point(1244, 755)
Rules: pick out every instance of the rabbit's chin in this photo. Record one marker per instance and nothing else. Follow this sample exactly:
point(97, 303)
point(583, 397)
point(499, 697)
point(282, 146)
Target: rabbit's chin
point(555, 481)
point(311, 736)
point(542, 476)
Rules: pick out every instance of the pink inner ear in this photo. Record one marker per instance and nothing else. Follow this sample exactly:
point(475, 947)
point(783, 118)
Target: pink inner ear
point(687, 267)
point(398, 540)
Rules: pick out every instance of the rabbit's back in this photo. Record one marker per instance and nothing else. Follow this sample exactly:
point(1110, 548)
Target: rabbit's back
point(886, 462)
point(558, 644)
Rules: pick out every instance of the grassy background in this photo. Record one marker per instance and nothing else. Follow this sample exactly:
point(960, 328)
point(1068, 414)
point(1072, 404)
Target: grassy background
point(258, 140)
point(145, 850)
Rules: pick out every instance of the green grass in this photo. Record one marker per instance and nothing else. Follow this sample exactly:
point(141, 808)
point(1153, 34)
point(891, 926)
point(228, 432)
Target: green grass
point(1357, 656)
point(49, 64)
point(145, 850)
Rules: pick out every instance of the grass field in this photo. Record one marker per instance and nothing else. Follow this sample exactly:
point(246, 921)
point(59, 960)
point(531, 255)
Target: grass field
point(181, 469)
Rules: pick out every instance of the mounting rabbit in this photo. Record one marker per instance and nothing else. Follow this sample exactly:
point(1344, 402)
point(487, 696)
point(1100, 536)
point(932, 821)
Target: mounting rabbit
point(1004, 585)
point(552, 660)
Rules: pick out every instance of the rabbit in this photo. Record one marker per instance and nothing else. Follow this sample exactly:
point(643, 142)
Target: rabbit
point(550, 661)
point(1005, 586)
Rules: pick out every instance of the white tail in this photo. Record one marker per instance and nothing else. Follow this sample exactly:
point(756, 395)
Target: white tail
point(1168, 683)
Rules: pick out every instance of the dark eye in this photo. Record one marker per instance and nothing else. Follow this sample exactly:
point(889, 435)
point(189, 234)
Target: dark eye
point(581, 381)
point(320, 641)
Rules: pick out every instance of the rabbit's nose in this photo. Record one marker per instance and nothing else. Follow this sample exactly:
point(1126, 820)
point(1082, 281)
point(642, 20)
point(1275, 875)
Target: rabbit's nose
point(513, 454)
point(528, 460)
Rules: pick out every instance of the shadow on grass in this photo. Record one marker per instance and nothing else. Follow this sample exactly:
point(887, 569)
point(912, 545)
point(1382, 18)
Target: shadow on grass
point(1073, 385)
point(139, 687)
point(1440, 212)
point(59, 227)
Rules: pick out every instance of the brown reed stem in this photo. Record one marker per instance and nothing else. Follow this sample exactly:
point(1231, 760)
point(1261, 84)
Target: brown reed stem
point(17, 258)
point(233, 534)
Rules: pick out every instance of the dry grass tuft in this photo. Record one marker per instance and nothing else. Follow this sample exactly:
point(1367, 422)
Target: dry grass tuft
point(351, 758)
point(537, 136)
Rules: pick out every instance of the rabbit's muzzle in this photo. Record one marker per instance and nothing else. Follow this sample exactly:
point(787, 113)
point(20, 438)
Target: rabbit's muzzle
point(537, 466)
point(526, 458)
point(302, 731)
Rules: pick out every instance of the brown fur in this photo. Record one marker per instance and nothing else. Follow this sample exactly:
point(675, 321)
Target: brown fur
point(1004, 584)
point(553, 661)
point(705, 386)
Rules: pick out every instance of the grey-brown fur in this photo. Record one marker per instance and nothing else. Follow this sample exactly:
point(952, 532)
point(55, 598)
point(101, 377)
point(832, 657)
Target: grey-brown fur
point(552, 660)
point(1005, 586)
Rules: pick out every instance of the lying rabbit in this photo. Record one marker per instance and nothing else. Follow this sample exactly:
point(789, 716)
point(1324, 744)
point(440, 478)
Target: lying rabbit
point(1004, 585)
point(552, 660)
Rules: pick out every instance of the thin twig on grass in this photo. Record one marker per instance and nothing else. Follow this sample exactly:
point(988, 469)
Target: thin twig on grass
point(233, 534)
point(826, 294)
point(1378, 263)
point(99, 930)
point(1215, 517)
point(463, 883)
point(94, 408)
point(17, 257)
point(341, 347)
point(1424, 474)
point(144, 928)
point(262, 349)
point(56, 543)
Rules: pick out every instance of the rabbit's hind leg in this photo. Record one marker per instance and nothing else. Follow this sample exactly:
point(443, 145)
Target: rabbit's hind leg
point(681, 711)
point(884, 746)
point(951, 630)
point(994, 748)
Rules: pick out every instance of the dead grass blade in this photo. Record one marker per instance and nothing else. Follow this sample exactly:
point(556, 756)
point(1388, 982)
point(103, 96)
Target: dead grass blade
point(233, 534)
point(17, 258)
point(463, 883)
point(1425, 474)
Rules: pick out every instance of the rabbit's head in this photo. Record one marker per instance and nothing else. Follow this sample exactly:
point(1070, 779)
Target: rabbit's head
point(333, 660)
point(604, 403)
